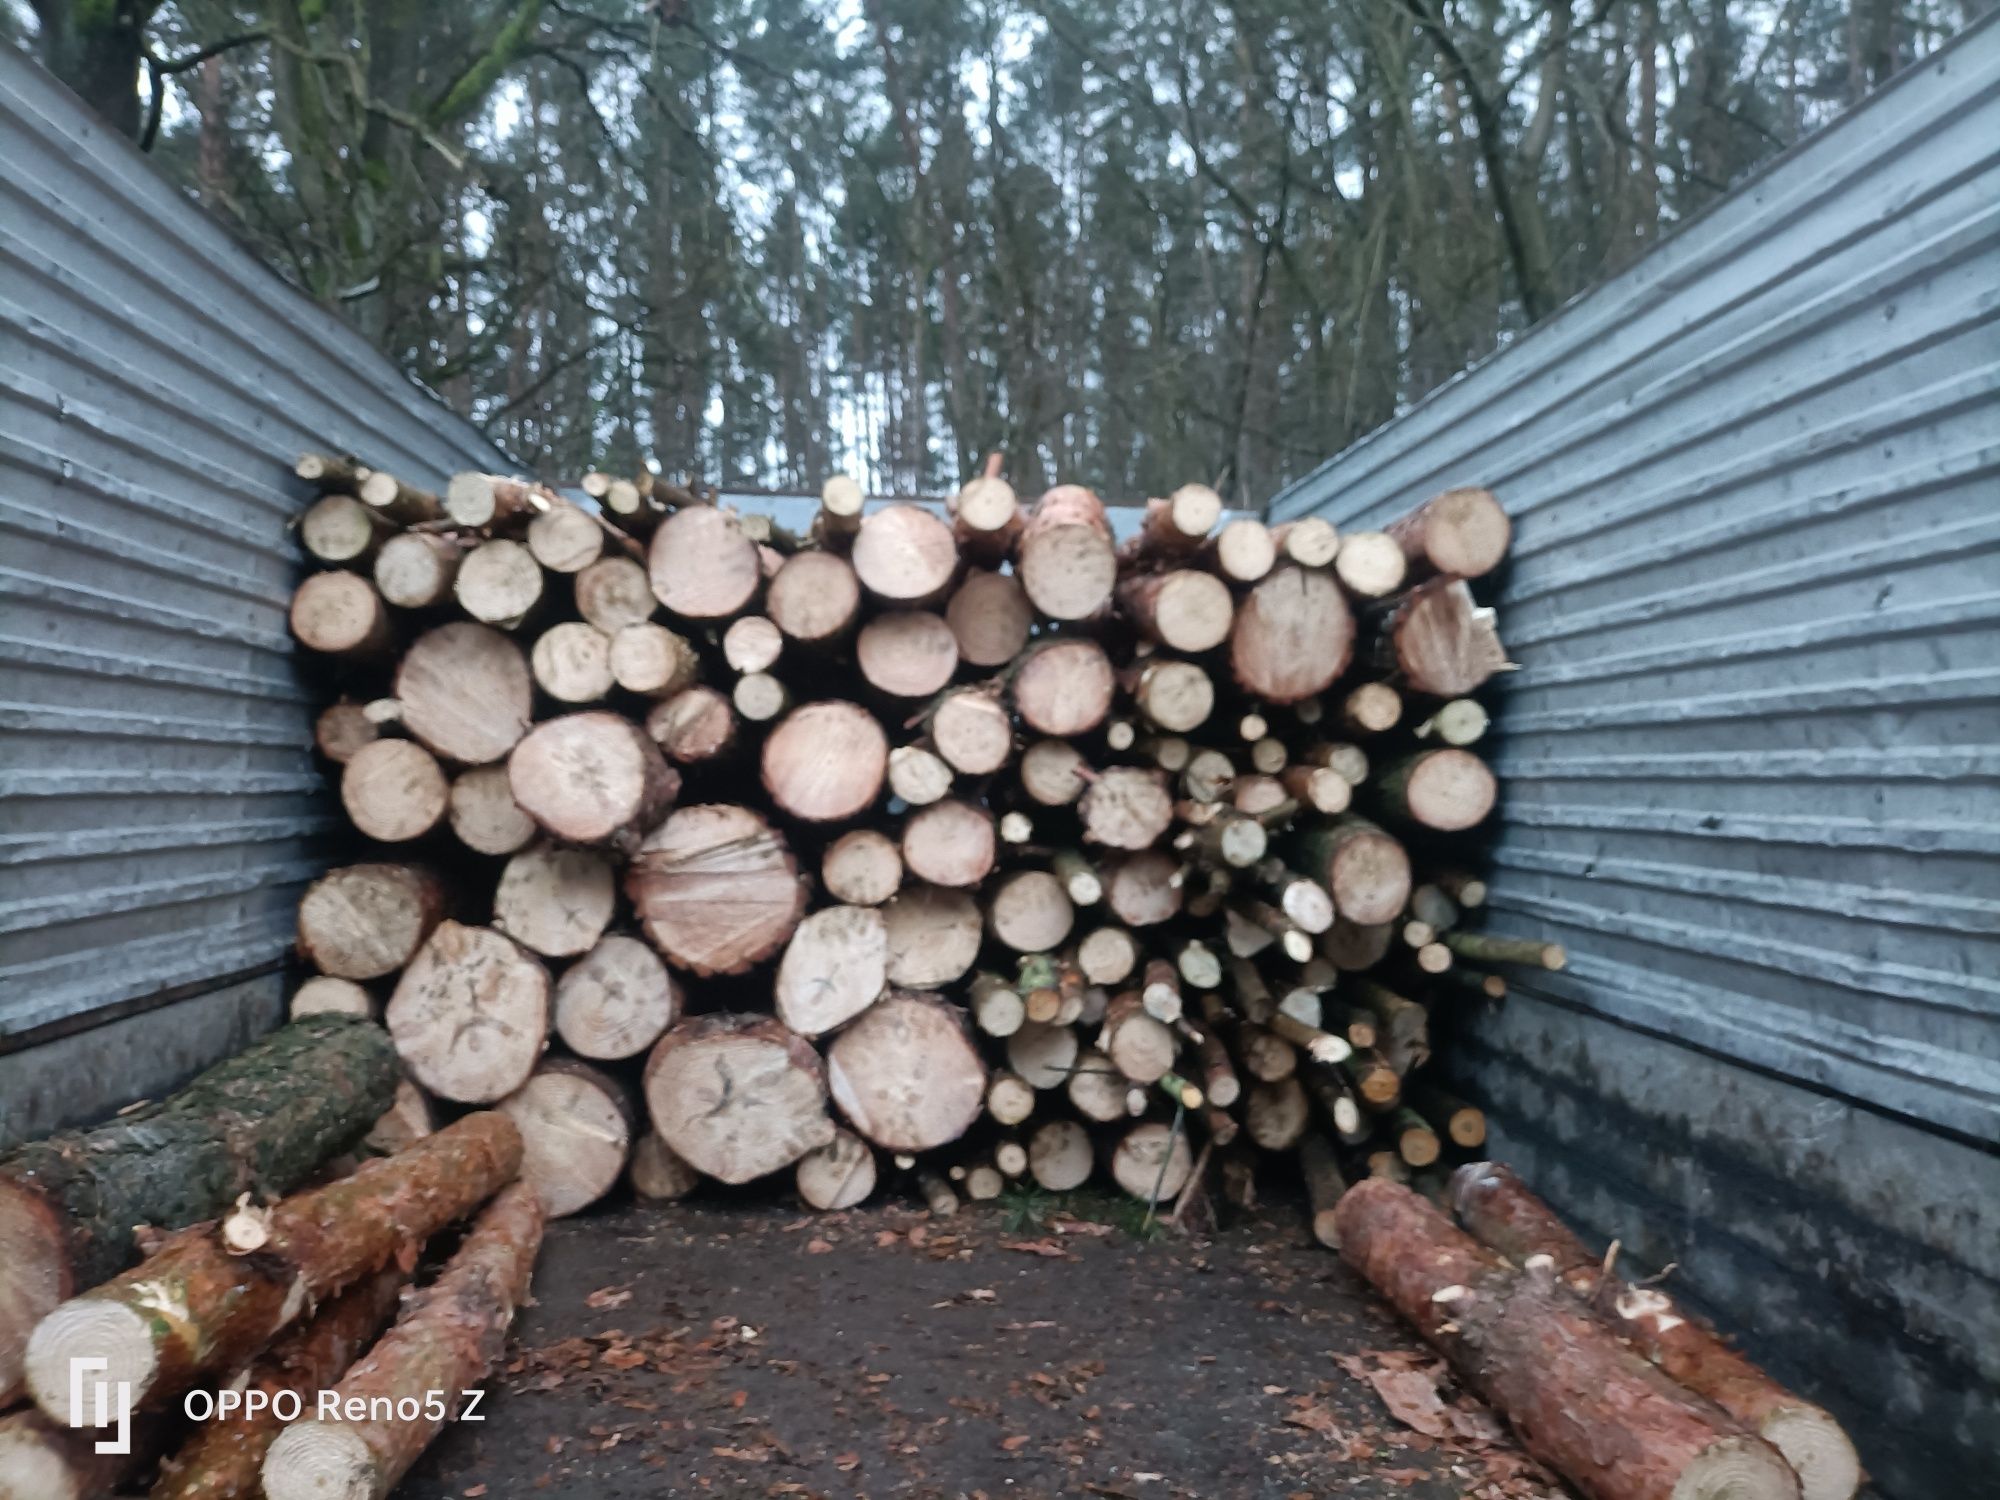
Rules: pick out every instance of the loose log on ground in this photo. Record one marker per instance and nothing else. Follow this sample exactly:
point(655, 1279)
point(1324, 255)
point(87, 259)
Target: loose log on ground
point(815, 598)
point(592, 778)
point(825, 762)
point(695, 725)
point(907, 653)
point(737, 1097)
point(447, 1339)
point(835, 966)
point(716, 889)
point(470, 1015)
point(465, 693)
point(340, 529)
point(1065, 557)
point(365, 921)
point(905, 555)
point(934, 936)
point(394, 791)
point(838, 1175)
point(656, 1174)
point(1127, 807)
point(1370, 564)
point(1582, 1403)
point(576, 1127)
point(906, 1074)
point(1064, 688)
point(1152, 1162)
point(228, 1306)
point(652, 660)
point(224, 1458)
point(1462, 533)
point(702, 566)
point(615, 1001)
point(1187, 610)
point(1441, 642)
point(340, 614)
point(1502, 1213)
point(1293, 636)
point(69, 1204)
point(614, 592)
point(1364, 869)
point(44, 1460)
point(861, 868)
point(990, 617)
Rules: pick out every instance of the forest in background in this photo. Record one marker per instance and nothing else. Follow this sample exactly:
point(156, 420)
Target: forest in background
point(1129, 244)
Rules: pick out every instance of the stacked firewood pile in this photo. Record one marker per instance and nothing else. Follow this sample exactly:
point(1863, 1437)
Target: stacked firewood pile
point(978, 849)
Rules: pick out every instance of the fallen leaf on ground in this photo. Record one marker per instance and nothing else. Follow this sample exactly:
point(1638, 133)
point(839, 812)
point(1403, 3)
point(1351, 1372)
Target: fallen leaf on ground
point(608, 1297)
point(1038, 1247)
point(1015, 1443)
point(1412, 1398)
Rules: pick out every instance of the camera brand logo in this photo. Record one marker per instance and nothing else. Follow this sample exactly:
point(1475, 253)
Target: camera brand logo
point(108, 1403)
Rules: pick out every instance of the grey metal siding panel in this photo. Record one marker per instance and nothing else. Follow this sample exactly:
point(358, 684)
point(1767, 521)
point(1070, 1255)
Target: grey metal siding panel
point(157, 793)
point(1752, 749)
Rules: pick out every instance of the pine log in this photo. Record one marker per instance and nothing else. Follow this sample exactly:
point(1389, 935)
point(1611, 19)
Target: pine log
point(1275, 1115)
point(365, 921)
point(985, 518)
point(224, 1458)
point(996, 1005)
point(340, 614)
point(652, 661)
point(1043, 1055)
point(615, 1001)
point(489, 502)
point(565, 538)
point(572, 662)
point(406, 1121)
point(1186, 610)
point(1363, 868)
point(949, 843)
point(323, 995)
point(1152, 1162)
point(905, 555)
point(576, 1127)
point(1208, 775)
point(656, 1174)
point(716, 889)
point(484, 814)
point(343, 728)
point(1127, 807)
point(1416, 1142)
point(972, 731)
point(1377, 1085)
point(861, 868)
point(1097, 1090)
point(759, 697)
point(906, 1074)
point(465, 693)
point(1030, 912)
point(1353, 946)
point(918, 777)
point(339, 529)
point(1445, 790)
point(1502, 1213)
point(1462, 533)
point(417, 569)
point(934, 936)
point(1176, 696)
point(1064, 688)
point(1582, 1403)
point(990, 617)
point(1440, 642)
point(1339, 1105)
point(752, 643)
point(1060, 1156)
point(228, 1305)
point(1491, 948)
point(1460, 722)
point(1079, 878)
point(1311, 541)
point(1052, 773)
point(499, 583)
point(470, 1015)
point(592, 778)
point(448, 1339)
point(1405, 1039)
point(737, 1097)
point(907, 653)
point(1065, 556)
point(394, 791)
point(329, 473)
point(44, 1460)
point(702, 566)
point(1370, 564)
point(404, 504)
point(1243, 550)
point(838, 1175)
point(825, 762)
point(1143, 889)
point(841, 501)
point(70, 1204)
point(1325, 1186)
point(835, 966)
point(1107, 955)
point(815, 598)
point(695, 725)
point(1293, 636)
point(614, 592)
point(1321, 788)
point(1177, 526)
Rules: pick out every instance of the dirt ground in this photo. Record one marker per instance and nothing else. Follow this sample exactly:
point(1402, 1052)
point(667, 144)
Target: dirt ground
point(1017, 1349)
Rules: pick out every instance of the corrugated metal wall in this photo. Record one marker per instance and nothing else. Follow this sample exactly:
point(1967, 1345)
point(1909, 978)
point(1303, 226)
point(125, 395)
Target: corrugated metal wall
point(1755, 595)
point(156, 787)
point(1750, 757)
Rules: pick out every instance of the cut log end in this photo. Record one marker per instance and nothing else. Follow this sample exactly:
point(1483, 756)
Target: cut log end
point(907, 653)
point(657, 1175)
point(315, 1460)
point(702, 566)
point(591, 778)
point(1817, 1449)
point(905, 555)
point(616, 1001)
point(1064, 689)
point(825, 762)
point(839, 1175)
point(737, 1097)
point(990, 617)
point(835, 966)
point(34, 1274)
point(576, 1133)
point(470, 1015)
point(716, 889)
point(1370, 564)
point(906, 1074)
point(340, 614)
point(1293, 635)
point(862, 868)
point(814, 598)
point(121, 1337)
